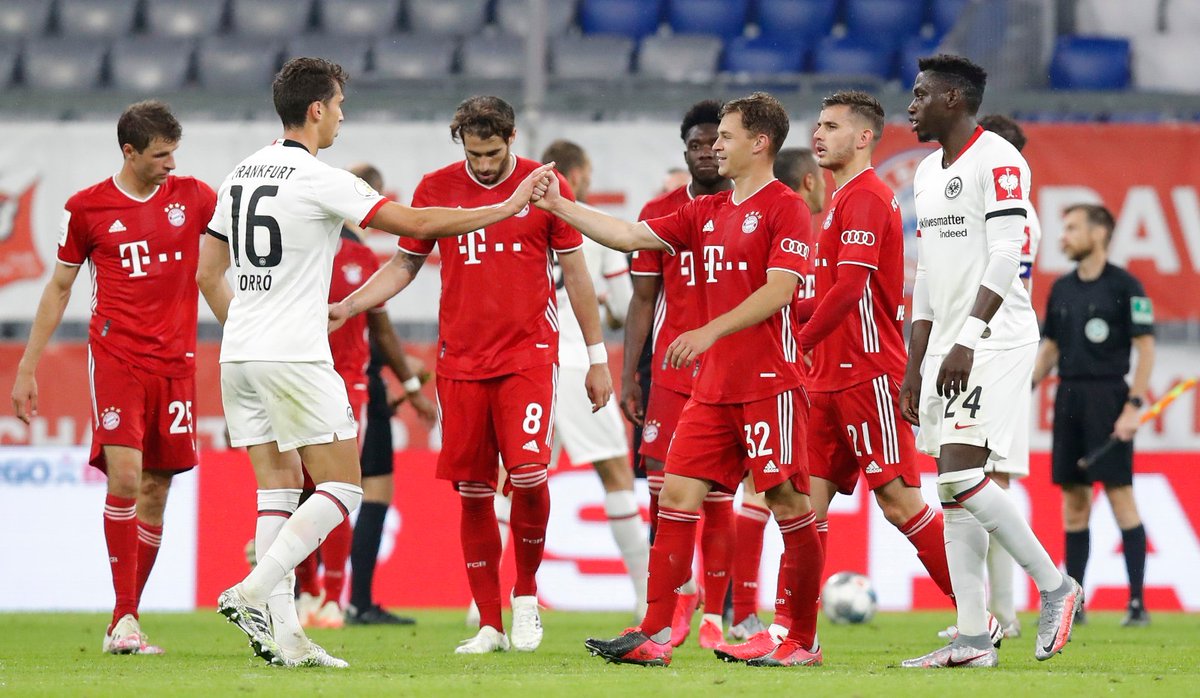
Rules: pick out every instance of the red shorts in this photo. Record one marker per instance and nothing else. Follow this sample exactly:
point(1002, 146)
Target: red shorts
point(662, 418)
point(509, 416)
point(720, 443)
point(141, 410)
point(860, 429)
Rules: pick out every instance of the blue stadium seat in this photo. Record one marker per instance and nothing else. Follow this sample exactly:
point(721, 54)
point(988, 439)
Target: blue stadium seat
point(359, 18)
point(592, 57)
point(276, 19)
point(237, 64)
point(852, 56)
point(764, 56)
point(796, 20)
point(872, 20)
point(409, 57)
point(913, 49)
point(150, 65)
point(24, 18)
point(351, 55)
point(96, 18)
point(513, 16)
point(495, 57)
point(184, 19)
point(447, 17)
point(680, 58)
point(724, 18)
point(944, 13)
point(632, 18)
point(1090, 63)
point(64, 64)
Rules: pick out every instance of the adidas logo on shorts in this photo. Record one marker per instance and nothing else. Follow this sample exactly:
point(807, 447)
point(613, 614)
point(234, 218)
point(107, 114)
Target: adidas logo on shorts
point(873, 469)
point(530, 445)
point(771, 467)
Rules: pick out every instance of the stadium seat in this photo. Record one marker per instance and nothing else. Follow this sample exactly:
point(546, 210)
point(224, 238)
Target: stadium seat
point(513, 16)
point(1181, 17)
point(499, 57)
point(679, 58)
point(872, 20)
point(237, 63)
point(724, 18)
point(151, 65)
point(595, 57)
point(853, 56)
point(96, 18)
point(447, 17)
point(945, 13)
point(1090, 63)
point(409, 57)
point(278, 19)
point(184, 18)
point(64, 64)
point(1166, 63)
point(359, 18)
point(763, 56)
point(913, 49)
point(24, 18)
point(1118, 18)
point(351, 55)
point(796, 20)
point(632, 18)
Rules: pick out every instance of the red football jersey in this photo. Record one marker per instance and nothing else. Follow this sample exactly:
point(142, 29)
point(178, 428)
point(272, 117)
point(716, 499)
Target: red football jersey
point(143, 256)
point(678, 307)
point(863, 227)
point(498, 314)
point(353, 264)
point(736, 244)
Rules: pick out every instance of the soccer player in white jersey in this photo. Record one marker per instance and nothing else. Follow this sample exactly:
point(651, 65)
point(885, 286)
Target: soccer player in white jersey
point(278, 218)
point(974, 338)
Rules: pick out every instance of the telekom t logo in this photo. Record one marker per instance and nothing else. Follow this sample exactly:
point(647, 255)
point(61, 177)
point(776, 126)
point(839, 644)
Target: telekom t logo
point(472, 245)
point(713, 256)
point(134, 255)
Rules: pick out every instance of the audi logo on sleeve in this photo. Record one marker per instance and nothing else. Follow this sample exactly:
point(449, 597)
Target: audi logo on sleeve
point(858, 237)
point(793, 246)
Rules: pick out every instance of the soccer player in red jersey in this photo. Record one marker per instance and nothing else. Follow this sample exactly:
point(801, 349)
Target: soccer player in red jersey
point(139, 230)
point(497, 357)
point(665, 305)
point(747, 408)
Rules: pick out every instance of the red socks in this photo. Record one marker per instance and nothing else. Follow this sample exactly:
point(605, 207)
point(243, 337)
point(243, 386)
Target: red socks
point(480, 538)
point(924, 531)
point(747, 558)
point(120, 533)
point(716, 547)
point(149, 541)
point(530, 514)
point(334, 552)
point(806, 560)
point(670, 566)
point(306, 575)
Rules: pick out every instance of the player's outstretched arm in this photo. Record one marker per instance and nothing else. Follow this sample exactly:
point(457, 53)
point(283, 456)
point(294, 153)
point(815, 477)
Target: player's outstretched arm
point(436, 222)
point(379, 326)
point(392, 278)
point(638, 321)
point(210, 276)
point(49, 314)
point(601, 227)
point(758, 306)
point(578, 283)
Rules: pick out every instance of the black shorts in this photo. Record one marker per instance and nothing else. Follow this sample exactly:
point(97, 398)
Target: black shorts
point(1084, 414)
point(377, 456)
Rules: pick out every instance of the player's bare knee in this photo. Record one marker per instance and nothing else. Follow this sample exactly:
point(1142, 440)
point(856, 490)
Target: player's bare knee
point(683, 493)
point(785, 502)
point(1124, 506)
point(899, 502)
point(822, 493)
point(152, 497)
point(378, 489)
point(1077, 507)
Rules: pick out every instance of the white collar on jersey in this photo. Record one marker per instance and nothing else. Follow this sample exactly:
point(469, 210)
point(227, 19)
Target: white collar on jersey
point(835, 191)
point(735, 202)
point(131, 196)
point(502, 179)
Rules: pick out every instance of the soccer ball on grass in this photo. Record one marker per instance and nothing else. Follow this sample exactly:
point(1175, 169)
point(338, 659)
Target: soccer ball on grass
point(848, 597)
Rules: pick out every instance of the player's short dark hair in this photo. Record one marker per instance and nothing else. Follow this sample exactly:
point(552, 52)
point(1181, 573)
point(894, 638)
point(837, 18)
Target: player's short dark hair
point(1096, 214)
point(566, 155)
point(142, 122)
point(791, 164)
point(761, 113)
point(301, 82)
point(958, 72)
point(483, 117)
point(860, 104)
point(369, 174)
point(1006, 128)
point(704, 112)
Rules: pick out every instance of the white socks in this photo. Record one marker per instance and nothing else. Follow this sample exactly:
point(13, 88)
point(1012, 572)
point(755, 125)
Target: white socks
point(966, 548)
point(300, 535)
point(1000, 583)
point(624, 518)
point(275, 507)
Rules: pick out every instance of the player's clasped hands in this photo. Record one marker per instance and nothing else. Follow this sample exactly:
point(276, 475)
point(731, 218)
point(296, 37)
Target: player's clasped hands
point(955, 371)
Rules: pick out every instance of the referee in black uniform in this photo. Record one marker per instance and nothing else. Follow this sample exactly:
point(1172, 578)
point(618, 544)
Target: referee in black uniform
point(1093, 317)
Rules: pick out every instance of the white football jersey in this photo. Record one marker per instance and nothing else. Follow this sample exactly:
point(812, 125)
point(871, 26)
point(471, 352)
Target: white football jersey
point(609, 270)
point(281, 211)
point(989, 178)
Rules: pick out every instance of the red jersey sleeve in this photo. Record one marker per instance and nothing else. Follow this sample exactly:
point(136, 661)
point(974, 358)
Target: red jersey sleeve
point(564, 238)
point(675, 230)
point(206, 199)
point(74, 243)
point(864, 217)
point(421, 199)
point(646, 263)
point(790, 234)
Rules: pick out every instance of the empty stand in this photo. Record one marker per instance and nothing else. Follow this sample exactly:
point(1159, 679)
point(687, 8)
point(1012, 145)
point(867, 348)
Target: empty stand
point(184, 18)
point(350, 54)
point(632, 18)
point(874, 20)
point(500, 57)
point(278, 19)
point(1090, 63)
point(796, 20)
point(1166, 63)
point(854, 56)
point(410, 57)
point(24, 18)
point(1117, 17)
point(237, 63)
point(597, 57)
point(96, 18)
point(449, 17)
point(64, 64)
point(679, 58)
point(151, 64)
point(513, 16)
point(724, 18)
point(359, 18)
point(764, 56)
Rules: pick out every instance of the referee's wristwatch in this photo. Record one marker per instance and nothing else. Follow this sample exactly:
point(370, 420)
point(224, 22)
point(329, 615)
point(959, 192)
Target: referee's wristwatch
point(1136, 401)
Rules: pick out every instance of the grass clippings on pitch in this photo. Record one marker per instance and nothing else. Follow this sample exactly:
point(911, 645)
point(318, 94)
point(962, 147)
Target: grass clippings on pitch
point(55, 654)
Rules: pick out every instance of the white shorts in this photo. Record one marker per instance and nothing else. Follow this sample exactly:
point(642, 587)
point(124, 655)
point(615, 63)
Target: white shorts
point(989, 413)
point(587, 437)
point(292, 403)
point(1016, 463)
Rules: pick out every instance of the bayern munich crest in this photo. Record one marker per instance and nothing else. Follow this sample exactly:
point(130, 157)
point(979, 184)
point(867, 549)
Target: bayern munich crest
point(175, 214)
point(650, 432)
point(828, 220)
point(353, 273)
point(750, 223)
point(110, 418)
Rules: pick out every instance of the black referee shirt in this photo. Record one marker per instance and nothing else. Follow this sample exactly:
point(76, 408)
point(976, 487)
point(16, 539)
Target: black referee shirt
point(1094, 322)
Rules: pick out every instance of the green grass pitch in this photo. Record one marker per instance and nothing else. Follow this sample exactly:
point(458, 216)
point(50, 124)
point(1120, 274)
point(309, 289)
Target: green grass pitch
point(55, 654)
